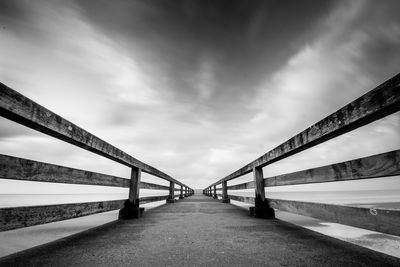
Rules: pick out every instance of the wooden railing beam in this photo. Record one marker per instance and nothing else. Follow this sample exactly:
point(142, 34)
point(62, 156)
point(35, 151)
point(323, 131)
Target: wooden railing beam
point(18, 217)
point(29, 170)
point(376, 166)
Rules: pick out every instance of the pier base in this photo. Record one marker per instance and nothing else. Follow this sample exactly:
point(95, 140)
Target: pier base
point(215, 197)
point(171, 200)
point(181, 197)
point(265, 212)
point(130, 211)
point(226, 200)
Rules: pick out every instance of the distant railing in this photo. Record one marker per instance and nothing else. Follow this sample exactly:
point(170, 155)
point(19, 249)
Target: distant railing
point(18, 108)
point(374, 105)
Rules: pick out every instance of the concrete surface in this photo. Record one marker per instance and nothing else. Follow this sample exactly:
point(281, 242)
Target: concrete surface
point(199, 231)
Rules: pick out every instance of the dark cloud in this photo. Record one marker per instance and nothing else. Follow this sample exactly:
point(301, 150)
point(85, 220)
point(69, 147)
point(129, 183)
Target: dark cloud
point(11, 9)
point(381, 25)
point(197, 88)
point(239, 44)
point(12, 15)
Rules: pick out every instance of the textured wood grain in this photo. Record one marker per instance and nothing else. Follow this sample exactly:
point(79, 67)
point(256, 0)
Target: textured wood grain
point(380, 220)
point(380, 165)
point(134, 186)
point(224, 190)
point(248, 185)
point(30, 170)
point(376, 104)
point(171, 190)
point(18, 108)
point(13, 218)
point(242, 199)
point(144, 200)
point(145, 185)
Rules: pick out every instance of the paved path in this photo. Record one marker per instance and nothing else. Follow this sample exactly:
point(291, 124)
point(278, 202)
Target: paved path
point(199, 231)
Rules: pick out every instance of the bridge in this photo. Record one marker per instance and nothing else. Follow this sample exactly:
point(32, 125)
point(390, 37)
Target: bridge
point(201, 229)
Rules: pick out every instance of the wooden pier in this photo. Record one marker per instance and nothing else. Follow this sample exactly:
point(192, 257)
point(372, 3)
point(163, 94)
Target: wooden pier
point(197, 230)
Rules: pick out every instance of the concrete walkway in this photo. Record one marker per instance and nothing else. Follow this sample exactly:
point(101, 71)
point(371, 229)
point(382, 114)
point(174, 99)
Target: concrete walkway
point(199, 231)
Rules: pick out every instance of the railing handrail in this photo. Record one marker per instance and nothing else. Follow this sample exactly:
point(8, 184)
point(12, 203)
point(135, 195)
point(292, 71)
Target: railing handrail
point(18, 108)
point(376, 104)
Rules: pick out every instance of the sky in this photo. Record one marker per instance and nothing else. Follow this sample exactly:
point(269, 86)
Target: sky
point(197, 88)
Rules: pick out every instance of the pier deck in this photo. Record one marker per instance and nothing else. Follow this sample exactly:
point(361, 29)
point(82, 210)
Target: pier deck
point(199, 231)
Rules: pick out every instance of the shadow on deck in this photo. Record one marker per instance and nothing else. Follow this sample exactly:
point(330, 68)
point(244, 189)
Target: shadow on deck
point(199, 231)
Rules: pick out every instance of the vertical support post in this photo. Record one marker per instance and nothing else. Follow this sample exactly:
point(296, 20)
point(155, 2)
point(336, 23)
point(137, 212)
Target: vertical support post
point(225, 198)
point(215, 192)
point(181, 194)
point(131, 208)
point(171, 197)
point(262, 208)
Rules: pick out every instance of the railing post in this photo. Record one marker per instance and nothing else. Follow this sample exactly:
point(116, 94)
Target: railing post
point(181, 194)
point(186, 191)
point(171, 197)
point(131, 209)
point(262, 208)
point(215, 192)
point(225, 198)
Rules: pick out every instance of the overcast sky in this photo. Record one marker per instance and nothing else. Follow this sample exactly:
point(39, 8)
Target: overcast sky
point(199, 88)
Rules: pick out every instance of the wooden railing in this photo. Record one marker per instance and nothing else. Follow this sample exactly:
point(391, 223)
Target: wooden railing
point(374, 105)
point(18, 108)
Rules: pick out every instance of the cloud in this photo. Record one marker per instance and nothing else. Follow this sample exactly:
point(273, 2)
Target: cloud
point(194, 88)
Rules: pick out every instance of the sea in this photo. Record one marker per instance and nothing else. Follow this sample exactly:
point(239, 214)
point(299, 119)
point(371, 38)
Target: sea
point(16, 240)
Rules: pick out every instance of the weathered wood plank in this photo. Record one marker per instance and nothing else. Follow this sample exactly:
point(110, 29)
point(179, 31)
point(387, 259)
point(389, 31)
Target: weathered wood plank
point(30, 170)
point(376, 104)
point(171, 190)
point(134, 186)
point(380, 165)
point(224, 194)
point(13, 218)
point(242, 199)
point(144, 200)
point(18, 108)
point(144, 185)
point(380, 220)
point(248, 185)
